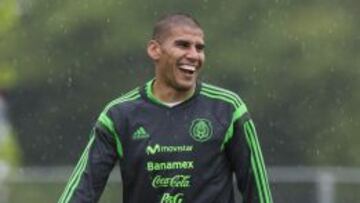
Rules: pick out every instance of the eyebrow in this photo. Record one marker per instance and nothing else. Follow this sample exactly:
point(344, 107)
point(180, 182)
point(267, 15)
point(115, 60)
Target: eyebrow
point(181, 41)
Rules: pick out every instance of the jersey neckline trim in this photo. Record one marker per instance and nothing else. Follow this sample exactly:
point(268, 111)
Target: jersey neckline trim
point(148, 94)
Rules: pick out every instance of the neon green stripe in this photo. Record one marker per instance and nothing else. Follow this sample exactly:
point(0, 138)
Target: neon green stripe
point(79, 169)
point(259, 162)
point(78, 165)
point(239, 112)
point(118, 100)
point(262, 163)
point(73, 175)
point(253, 164)
point(218, 97)
point(83, 167)
point(225, 91)
point(229, 132)
point(235, 100)
point(77, 181)
point(235, 103)
point(257, 181)
point(107, 122)
point(227, 96)
point(127, 97)
point(218, 88)
point(77, 172)
point(150, 94)
point(228, 135)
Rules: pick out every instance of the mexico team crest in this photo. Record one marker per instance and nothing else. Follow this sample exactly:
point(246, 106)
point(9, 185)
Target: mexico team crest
point(201, 130)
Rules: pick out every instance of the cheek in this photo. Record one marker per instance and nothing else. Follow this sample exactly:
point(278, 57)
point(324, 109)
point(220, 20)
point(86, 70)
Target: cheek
point(170, 57)
point(202, 58)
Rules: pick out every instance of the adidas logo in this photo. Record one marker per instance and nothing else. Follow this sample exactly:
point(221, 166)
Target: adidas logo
point(140, 133)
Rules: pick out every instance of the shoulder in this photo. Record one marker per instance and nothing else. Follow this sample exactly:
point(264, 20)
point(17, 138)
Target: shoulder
point(115, 108)
point(221, 94)
point(125, 99)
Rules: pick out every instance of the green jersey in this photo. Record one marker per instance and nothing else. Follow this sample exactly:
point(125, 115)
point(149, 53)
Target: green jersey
point(187, 153)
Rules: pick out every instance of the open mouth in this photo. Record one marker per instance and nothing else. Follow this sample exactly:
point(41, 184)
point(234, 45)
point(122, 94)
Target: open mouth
point(189, 69)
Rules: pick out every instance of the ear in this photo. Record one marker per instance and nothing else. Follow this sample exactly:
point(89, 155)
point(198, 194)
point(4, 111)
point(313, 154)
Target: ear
point(153, 50)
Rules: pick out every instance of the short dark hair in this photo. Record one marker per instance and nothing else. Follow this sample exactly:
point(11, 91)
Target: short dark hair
point(166, 22)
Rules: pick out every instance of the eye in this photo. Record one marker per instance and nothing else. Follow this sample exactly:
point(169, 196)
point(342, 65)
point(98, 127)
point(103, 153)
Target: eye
point(182, 44)
point(200, 47)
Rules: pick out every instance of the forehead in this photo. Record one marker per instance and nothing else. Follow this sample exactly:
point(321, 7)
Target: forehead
point(185, 33)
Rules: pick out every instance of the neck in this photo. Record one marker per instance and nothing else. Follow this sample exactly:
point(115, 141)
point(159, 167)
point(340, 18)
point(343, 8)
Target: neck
point(167, 93)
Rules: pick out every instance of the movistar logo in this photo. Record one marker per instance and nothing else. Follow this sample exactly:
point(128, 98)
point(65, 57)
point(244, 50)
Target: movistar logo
point(151, 150)
point(140, 133)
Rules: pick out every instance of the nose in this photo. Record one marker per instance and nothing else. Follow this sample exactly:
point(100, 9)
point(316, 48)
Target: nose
point(193, 54)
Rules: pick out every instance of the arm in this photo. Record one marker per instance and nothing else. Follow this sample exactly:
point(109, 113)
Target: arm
point(244, 152)
point(90, 175)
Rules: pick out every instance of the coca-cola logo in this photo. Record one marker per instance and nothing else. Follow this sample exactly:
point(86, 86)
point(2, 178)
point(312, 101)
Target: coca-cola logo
point(177, 181)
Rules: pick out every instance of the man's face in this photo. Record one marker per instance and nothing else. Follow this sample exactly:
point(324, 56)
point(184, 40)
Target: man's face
point(181, 56)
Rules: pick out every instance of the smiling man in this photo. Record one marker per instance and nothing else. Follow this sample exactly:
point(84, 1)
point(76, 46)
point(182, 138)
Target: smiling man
point(177, 140)
point(177, 49)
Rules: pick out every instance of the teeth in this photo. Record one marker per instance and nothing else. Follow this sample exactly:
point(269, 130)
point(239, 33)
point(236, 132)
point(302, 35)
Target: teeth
point(188, 67)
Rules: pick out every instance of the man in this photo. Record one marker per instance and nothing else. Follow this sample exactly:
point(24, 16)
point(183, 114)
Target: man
point(177, 140)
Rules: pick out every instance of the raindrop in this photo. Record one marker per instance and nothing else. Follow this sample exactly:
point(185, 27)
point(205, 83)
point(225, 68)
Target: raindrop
point(50, 80)
point(69, 81)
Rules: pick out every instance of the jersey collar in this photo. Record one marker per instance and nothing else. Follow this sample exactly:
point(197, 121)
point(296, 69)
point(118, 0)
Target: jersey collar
point(148, 93)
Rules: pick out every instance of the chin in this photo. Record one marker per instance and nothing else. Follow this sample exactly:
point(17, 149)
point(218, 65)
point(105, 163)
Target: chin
point(185, 86)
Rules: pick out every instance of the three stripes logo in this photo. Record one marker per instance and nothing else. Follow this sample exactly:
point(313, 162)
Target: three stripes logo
point(140, 134)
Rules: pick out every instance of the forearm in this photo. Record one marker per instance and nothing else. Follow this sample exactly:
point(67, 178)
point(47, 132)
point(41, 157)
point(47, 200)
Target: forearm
point(92, 170)
point(246, 158)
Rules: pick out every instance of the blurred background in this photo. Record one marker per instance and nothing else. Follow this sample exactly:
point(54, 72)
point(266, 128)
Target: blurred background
point(296, 63)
